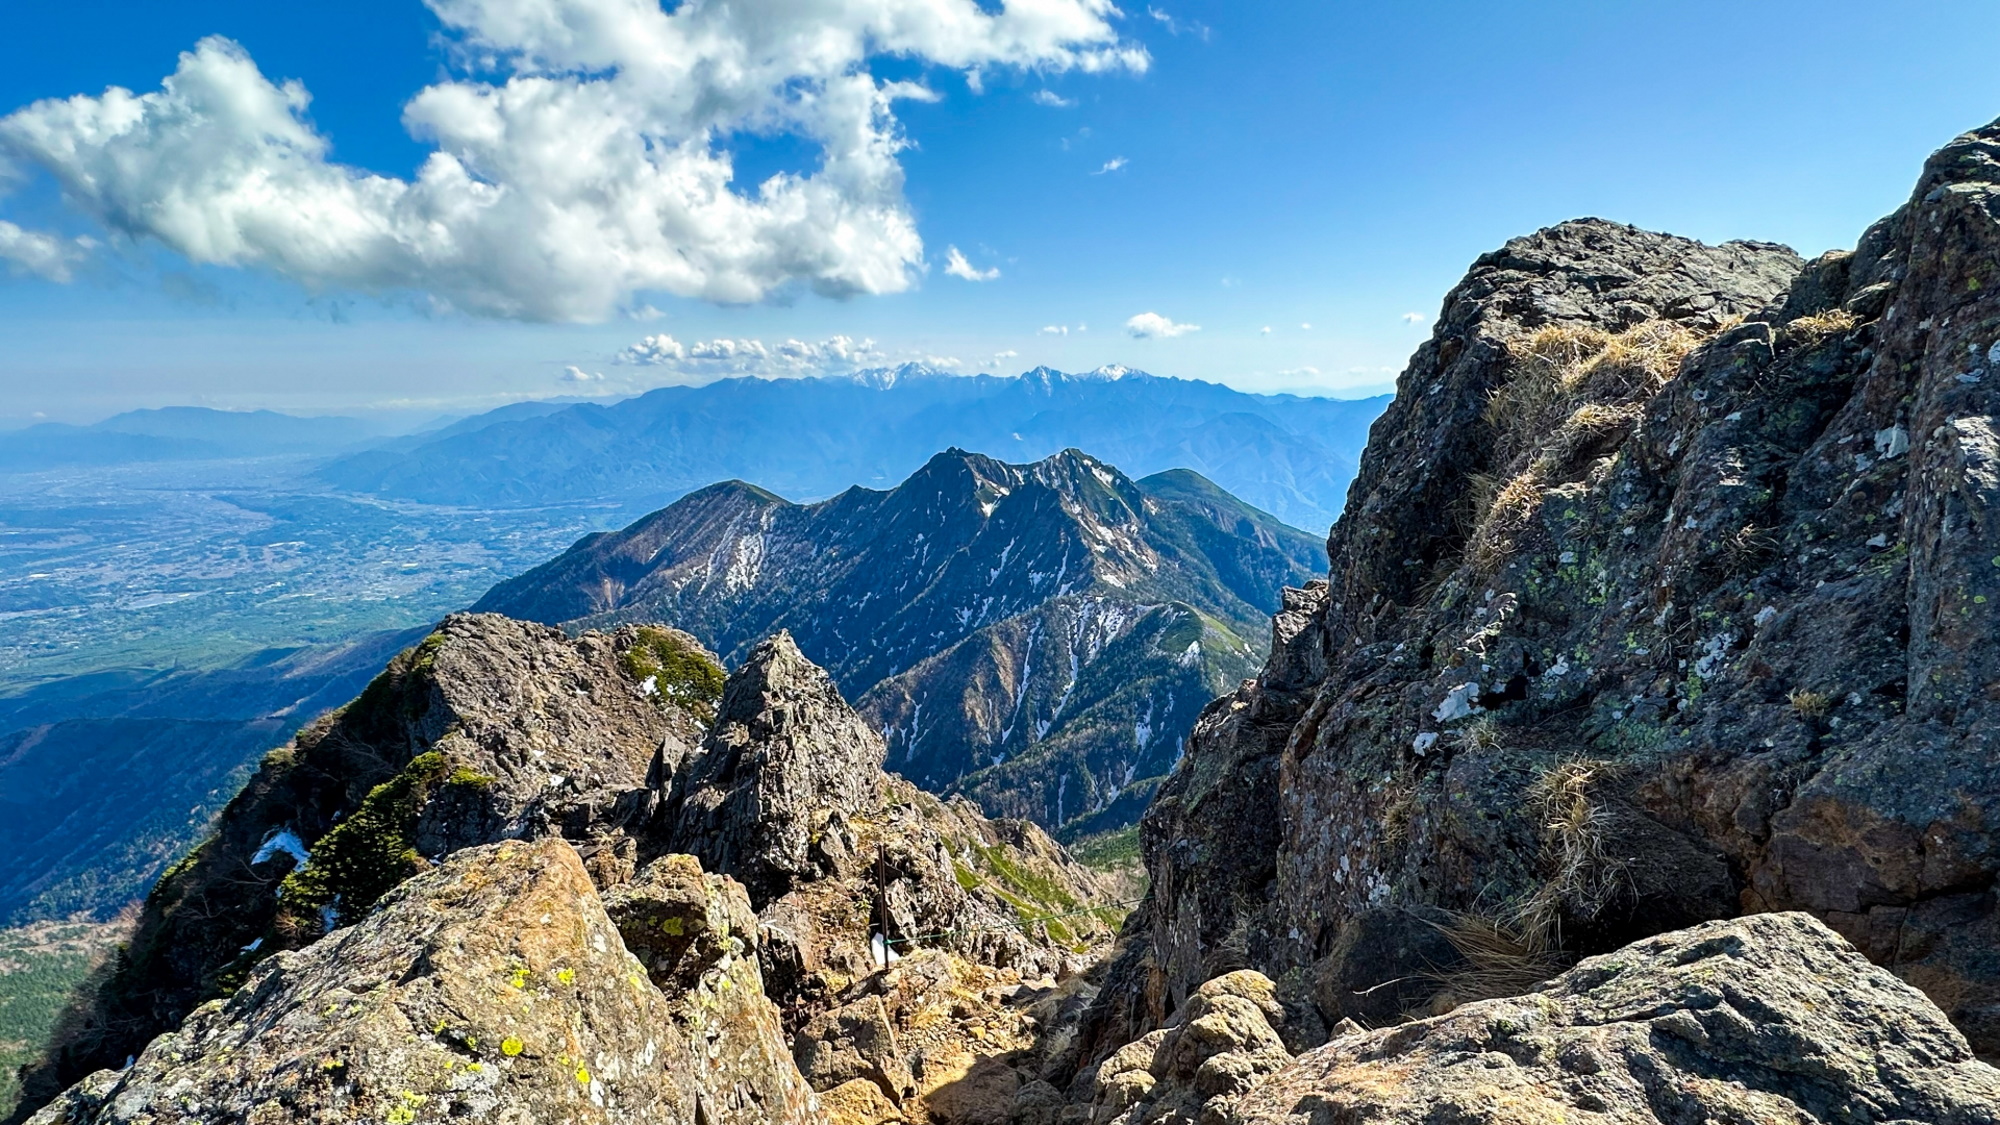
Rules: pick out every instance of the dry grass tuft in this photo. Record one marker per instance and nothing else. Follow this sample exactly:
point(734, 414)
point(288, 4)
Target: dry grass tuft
point(1509, 954)
point(1499, 961)
point(1480, 734)
point(1811, 705)
point(1819, 326)
point(1583, 877)
point(1570, 389)
point(1503, 518)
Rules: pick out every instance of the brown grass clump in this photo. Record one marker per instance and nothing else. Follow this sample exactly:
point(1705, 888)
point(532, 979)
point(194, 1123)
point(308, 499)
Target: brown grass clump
point(1584, 876)
point(1503, 518)
point(1812, 329)
point(1571, 388)
point(1812, 705)
point(1500, 960)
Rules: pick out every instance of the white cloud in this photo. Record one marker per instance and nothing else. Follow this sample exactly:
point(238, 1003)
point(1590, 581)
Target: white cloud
point(1053, 330)
point(575, 374)
point(591, 165)
point(1264, 331)
point(956, 265)
point(1112, 165)
point(1051, 99)
point(43, 255)
point(1414, 318)
point(1008, 354)
point(1175, 26)
point(719, 357)
point(1307, 327)
point(1151, 325)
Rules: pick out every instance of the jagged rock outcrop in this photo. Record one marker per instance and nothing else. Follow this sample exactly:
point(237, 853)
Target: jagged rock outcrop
point(1766, 1018)
point(1038, 637)
point(787, 794)
point(1665, 594)
point(493, 987)
point(698, 940)
point(1217, 1048)
point(490, 729)
point(787, 753)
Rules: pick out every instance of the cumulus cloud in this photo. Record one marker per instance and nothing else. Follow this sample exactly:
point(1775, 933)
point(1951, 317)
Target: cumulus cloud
point(721, 357)
point(1151, 326)
point(1053, 330)
point(43, 255)
point(956, 265)
point(581, 157)
point(1051, 99)
point(575, 374)
point(1112, 165)
point(1264, 331)
point(1414, 318)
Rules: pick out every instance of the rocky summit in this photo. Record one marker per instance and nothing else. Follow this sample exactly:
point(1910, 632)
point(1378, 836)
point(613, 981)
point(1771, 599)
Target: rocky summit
point(1037, 637)
point(1632, 764)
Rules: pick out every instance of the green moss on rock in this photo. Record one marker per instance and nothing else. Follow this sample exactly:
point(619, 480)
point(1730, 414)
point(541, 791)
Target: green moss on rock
point(369, 853)
point(680, 673)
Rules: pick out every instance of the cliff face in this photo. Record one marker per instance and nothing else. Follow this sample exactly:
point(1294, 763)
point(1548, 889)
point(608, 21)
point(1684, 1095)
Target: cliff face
point(1666, 592)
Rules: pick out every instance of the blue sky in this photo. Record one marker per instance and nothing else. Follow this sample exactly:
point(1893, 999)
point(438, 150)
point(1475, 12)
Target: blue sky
point(1226, 167)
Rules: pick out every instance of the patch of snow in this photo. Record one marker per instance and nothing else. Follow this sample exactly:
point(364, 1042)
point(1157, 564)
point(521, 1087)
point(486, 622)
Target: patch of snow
point(286, 841)
point(1765, 615)
point(649, 686)
point(746, 563)
point(883, 954)
point(1422, 743)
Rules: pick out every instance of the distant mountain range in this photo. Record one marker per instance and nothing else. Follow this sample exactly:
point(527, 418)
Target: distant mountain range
point(1037, 636)
point(810, 438)
point(178, 433)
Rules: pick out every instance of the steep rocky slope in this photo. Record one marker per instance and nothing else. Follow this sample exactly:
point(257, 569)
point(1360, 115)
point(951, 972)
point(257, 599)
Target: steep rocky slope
point(1666, 593)
point(1039, 637)
point(532, 877)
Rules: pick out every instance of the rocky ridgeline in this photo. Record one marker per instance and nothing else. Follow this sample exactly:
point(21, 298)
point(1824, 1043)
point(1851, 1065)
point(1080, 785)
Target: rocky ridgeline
point(1037, 637)
point(526, 877)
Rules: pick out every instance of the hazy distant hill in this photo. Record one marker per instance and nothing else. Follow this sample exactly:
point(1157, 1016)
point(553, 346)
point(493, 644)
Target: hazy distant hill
point(1039, 636)
point(178, 433)
point(1288, 455)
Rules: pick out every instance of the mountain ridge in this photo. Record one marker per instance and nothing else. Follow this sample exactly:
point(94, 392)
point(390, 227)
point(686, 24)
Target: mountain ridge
point(989, 591)
point(813, 437)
